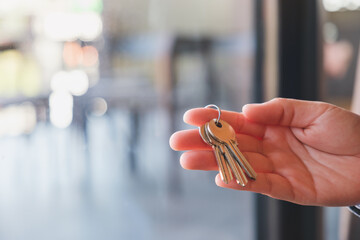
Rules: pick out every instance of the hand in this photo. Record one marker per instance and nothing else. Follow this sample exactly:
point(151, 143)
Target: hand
point(303, 152)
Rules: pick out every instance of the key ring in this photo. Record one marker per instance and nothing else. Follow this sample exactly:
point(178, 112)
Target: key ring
point(217, 108)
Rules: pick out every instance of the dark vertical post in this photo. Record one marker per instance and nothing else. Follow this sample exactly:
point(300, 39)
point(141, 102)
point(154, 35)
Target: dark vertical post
point(262, 228)
point(299, 71)
point(299, 66)
point(259, 51)
point(299, 75)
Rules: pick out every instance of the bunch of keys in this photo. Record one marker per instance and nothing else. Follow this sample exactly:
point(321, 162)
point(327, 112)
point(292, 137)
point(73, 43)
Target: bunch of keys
point(221, 136)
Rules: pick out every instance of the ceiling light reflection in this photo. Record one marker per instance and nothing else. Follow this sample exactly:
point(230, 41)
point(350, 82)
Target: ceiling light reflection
point(75, 82)
point(78, 82)
point(62, 26)
point(339, 5)
point(61, 108)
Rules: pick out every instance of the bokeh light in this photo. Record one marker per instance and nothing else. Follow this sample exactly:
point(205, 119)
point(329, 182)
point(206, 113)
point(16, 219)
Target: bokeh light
point(61, 108)
point(339, 5)
point(99, 106)
point(17, 119)
point(75, 82)
point(67, 26)
point(90, 56)
point(76, 56)
point(78, 82)
point(72, 54)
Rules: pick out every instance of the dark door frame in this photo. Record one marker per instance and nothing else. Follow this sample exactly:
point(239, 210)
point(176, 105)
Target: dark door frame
point(299, 71)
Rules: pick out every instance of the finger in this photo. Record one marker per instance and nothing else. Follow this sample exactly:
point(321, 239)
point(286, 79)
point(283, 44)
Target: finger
point(188, 140)
point(199, 116)
point(269, 184)
point(286, 112)
point(191, 140)
point(205, 160)
point(199, 160)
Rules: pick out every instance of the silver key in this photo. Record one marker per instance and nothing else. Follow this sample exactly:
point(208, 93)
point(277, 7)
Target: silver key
point(236, 169)
point(225, 134)
point(224, 168)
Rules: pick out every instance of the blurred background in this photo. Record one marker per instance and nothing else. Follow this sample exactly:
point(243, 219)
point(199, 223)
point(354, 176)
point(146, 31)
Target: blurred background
point(91, 90)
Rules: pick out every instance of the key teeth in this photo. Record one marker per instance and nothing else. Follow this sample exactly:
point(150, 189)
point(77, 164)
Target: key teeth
point(240, 158)
point(241, 184)
point(253, 177)
point(223, 178)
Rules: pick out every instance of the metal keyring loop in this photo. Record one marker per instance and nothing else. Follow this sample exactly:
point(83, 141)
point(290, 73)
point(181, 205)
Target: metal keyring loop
point(217, 108)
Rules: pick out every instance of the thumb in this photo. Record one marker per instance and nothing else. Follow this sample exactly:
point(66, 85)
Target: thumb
point(286, 112)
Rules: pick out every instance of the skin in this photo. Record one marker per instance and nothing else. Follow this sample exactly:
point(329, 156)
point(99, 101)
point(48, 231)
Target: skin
point(303, 152)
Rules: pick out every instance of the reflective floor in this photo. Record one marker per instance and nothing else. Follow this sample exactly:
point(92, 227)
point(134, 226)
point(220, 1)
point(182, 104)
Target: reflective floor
point(89, 183)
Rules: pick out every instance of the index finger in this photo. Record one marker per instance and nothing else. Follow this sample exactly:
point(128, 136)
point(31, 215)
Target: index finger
point(199, 116)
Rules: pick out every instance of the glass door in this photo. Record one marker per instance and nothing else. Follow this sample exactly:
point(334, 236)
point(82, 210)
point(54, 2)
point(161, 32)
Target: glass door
point(90, 92)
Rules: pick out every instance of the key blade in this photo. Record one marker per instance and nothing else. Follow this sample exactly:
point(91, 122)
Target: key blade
point(221, 164)
point(238, 173)
point(228, 170)
point(242, 160)
point(203, 135)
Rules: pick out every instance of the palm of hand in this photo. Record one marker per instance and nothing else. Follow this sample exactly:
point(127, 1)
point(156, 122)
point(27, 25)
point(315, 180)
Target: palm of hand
point(303, 174)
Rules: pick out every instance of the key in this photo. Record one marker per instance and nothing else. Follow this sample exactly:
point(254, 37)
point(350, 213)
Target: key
point(224, 169)
point(233, 164)
point(225, 134)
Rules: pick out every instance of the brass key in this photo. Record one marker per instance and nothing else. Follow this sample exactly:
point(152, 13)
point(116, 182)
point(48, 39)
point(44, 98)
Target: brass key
point(236, 169)
point(224, 168)
point(222, 132)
